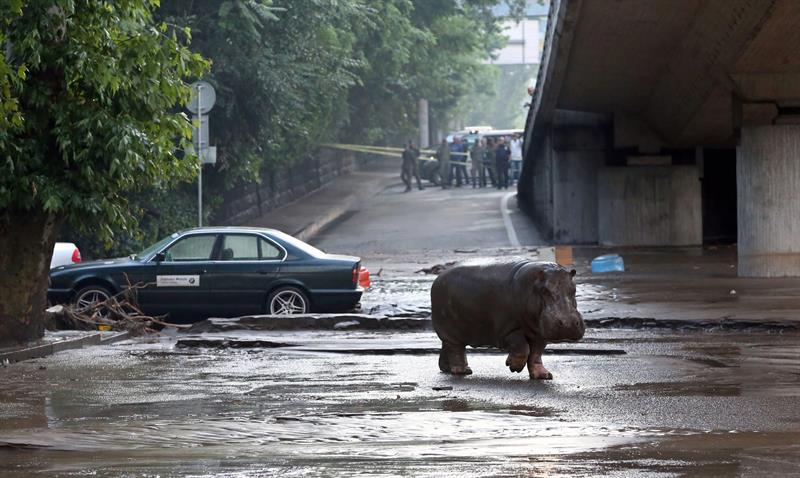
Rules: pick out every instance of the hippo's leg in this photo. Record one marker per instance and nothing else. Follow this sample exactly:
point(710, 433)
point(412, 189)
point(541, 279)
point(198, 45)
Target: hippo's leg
point(535, 367)
point(518, 350)
point(453, 359)
point(444, 362)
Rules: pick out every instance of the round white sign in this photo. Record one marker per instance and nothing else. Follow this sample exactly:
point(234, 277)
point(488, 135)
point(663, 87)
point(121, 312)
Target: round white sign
point(203, 94)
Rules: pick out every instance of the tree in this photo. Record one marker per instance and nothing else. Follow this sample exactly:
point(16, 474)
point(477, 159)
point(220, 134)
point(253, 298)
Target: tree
point(9, 107)
point(412, 49)
point(291, 74)
point(96, 83)
point(279, 67)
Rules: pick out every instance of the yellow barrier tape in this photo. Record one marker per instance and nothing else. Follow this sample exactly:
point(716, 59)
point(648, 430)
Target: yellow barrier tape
point(384, 150)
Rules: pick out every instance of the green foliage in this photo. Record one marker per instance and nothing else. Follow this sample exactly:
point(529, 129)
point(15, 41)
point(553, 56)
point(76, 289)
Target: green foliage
point(164, 211)
point(280, 70)
point(10, 116)
point(433, 49)
point(97, 82)
point(290, 74)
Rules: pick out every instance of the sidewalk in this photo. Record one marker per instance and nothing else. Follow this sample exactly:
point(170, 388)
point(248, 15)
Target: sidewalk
point(308, 215)
point(53, 342)
point(683, 284)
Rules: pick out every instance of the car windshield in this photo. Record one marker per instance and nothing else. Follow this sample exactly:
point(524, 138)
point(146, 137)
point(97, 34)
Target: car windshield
point(158, 245)
point(307, 248)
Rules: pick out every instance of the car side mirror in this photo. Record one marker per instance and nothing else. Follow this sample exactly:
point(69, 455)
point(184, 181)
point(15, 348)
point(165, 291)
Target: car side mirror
point(160, 257)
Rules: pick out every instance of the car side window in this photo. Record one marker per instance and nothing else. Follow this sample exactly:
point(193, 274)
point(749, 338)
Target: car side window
point(239, 247)
point(269, 252)
point(192, 248)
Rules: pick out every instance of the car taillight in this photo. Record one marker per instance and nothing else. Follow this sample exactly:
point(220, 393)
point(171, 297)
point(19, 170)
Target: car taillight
point(76, 256)
point(355, 274)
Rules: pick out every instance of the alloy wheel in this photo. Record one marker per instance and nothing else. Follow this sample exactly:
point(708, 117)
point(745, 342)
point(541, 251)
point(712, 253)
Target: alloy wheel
point(287, 302)
point(89, 299)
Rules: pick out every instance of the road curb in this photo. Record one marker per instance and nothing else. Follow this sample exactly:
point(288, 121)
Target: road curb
point(308, 231)
point(38, 351)
point(651, 323)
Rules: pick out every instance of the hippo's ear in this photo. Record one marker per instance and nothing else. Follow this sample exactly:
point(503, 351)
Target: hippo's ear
point(540, 278)
point(572, 273)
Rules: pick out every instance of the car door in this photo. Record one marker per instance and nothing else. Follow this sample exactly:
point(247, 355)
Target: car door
point(241, 277)
point(180, 286)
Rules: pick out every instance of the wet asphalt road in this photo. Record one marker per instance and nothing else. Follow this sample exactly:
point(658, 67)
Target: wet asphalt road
point(623, 402)
point(676, 404)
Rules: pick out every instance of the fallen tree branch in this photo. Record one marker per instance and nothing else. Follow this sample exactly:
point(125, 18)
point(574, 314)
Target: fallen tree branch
point(120, 312)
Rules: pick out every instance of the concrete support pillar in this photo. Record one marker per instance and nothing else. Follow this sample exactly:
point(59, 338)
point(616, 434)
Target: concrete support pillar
point(768, 181)
point(424, 129)
point(649, 206)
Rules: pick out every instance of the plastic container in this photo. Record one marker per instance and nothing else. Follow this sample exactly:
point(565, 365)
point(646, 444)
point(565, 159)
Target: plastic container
point(363, 278)
point(608, 263)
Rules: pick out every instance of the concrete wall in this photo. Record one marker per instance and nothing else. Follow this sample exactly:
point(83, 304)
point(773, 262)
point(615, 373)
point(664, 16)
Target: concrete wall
point(282, 186)
point(575, 196)
point(579, 153)
point(649, 206)
point(768, 179)
point(536, 186)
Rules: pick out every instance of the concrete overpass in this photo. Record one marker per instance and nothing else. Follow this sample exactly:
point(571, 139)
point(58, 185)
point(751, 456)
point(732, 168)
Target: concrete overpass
point(670, 122)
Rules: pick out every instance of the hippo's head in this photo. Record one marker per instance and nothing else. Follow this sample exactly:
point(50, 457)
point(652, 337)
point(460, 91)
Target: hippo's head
point(554, 293)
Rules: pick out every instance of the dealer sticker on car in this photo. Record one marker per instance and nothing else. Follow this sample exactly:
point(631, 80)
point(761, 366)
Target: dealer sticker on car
point(178, 281)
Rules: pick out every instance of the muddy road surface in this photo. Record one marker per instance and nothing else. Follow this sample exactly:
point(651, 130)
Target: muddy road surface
point(340, 403)
point(373, 403)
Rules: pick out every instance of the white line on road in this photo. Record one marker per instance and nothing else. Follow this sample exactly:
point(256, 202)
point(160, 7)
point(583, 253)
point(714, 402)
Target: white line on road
point(512, 234)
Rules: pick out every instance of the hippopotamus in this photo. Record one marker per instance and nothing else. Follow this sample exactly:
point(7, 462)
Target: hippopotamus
point(515, 306)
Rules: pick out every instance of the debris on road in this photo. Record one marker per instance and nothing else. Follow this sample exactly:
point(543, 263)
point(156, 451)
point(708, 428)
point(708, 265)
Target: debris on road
point(118, 312)
point(564, 255)
point(348, 324)
point(608, 263)
point(308, 322)
point(363, 278)
point(440, 389)
point(437, 268)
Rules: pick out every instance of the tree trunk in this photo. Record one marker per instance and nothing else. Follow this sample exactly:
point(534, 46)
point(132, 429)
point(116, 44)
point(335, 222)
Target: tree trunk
point(26, 245)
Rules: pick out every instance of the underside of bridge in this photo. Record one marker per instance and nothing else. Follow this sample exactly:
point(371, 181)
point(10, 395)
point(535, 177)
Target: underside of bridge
point(670, 122)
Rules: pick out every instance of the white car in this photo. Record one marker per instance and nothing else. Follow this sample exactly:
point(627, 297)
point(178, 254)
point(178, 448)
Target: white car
point(65, 253)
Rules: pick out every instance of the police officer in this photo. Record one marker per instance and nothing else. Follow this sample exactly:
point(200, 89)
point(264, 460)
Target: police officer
point(443, 155)
point(459, 162)
point(502, 156)
point(488, 161)
point(476, 158)
point(410, 166)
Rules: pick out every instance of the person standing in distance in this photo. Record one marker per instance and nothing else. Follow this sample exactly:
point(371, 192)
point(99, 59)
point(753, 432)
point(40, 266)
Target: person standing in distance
point(488, 161)
point(443, 155)
point(476, 159)
point(502, 155)
point(458, 159)
point(410, 167)
point(516, 157)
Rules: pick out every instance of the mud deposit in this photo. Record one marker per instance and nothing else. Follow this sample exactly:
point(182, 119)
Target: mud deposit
point(696, 404)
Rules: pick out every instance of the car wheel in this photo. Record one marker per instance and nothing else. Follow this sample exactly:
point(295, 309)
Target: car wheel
point(287, 301)
point(90, 296)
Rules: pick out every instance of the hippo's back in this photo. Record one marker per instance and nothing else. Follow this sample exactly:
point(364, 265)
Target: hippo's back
point(473, 304)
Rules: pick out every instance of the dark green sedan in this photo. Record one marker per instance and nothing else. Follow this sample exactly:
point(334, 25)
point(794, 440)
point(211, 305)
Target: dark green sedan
point(218, 272)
